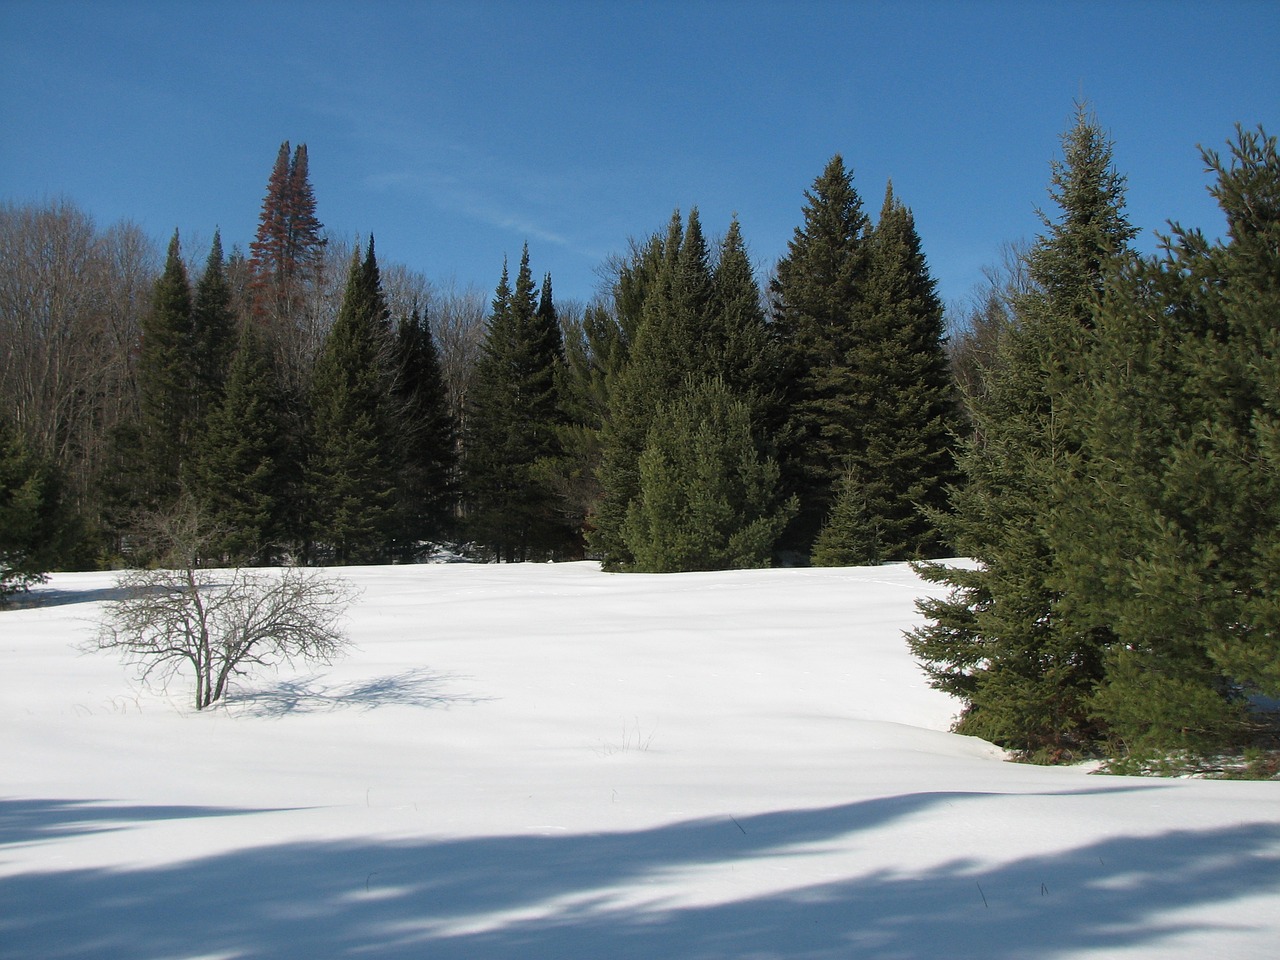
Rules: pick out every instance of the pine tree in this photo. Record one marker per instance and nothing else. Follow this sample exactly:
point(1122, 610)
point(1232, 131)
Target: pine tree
point(165, 377)
point(817, 307)
point(512, 417)
point(1166, 526)
point(707, 500)
point(352, 462)
point(1003, 642)
point(697, 323)
point(243, 482)
point(427, 438)
point(675, 297)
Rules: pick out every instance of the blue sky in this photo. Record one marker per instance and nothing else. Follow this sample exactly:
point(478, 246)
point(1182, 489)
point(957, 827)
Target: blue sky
point(455, 132)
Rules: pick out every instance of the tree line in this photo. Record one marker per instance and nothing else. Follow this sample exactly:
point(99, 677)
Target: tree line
point(683, 420)
point(1098, 434)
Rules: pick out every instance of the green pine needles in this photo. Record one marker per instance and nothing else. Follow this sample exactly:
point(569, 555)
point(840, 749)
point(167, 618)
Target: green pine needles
point(1121, 485)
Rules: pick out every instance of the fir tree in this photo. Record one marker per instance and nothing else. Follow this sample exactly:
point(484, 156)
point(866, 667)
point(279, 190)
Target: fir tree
point(213, 336)
point(817, 307)
point(351, 467)
point(1003, 642)
point(427, 438)
point(852, 534)
point(512, 416)
point(243, 483)
point(735, 340)
point(165, 376)
point(905, 403)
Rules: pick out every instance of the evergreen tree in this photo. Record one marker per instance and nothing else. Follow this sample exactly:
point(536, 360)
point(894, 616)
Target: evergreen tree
point(905, 403)
point(707, 500)
point(287, 264)
point(243, 481)
point(286, 253)
point(817, 308)
point(596, 351)
point(352, 462)
point(735, 340)
point(213, 334)
point(35, 529)
point(668, 348)
point(512, 416)
point(1003, 642)
point(1166, 525)
point(427, 438)
point(851, 535)
point(165, 376)
point(697, 323)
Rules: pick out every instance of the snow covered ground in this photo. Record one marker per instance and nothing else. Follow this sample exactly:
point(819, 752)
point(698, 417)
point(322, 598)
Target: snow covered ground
point(545, 761)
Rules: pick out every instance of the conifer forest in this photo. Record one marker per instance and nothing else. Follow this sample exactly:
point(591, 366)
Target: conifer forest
point(1097, 434)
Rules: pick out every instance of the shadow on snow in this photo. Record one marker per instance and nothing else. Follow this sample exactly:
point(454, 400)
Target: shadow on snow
point(411, 688)
point(25, 821)
point(509, 897)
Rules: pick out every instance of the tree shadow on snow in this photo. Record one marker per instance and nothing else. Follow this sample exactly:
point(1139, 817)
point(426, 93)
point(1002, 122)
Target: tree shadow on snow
point(526, 897)
point(411, 688)
point(41, 596)
point(24, 821)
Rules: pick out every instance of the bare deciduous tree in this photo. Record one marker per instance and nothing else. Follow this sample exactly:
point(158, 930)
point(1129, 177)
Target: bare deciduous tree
point(458, 318)
point(70, 299)
point(219, 624)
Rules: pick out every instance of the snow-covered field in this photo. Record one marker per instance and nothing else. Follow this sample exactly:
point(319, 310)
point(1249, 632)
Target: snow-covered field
point(544, 761)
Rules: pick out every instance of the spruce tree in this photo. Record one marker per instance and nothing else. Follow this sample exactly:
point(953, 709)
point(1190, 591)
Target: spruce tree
point(512, 417)
point(905, 404)
point(243, 481)
point(735, 342)
point(352, 461)
point(698, 322)
point(213, 333)
point(817, 306)
point(1003, 642)
point(427, 438)
point(35, 527)
point(707, 499)
point(165, 376)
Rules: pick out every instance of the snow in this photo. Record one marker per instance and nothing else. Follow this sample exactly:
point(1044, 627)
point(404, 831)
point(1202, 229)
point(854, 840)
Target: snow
point(528, 761)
